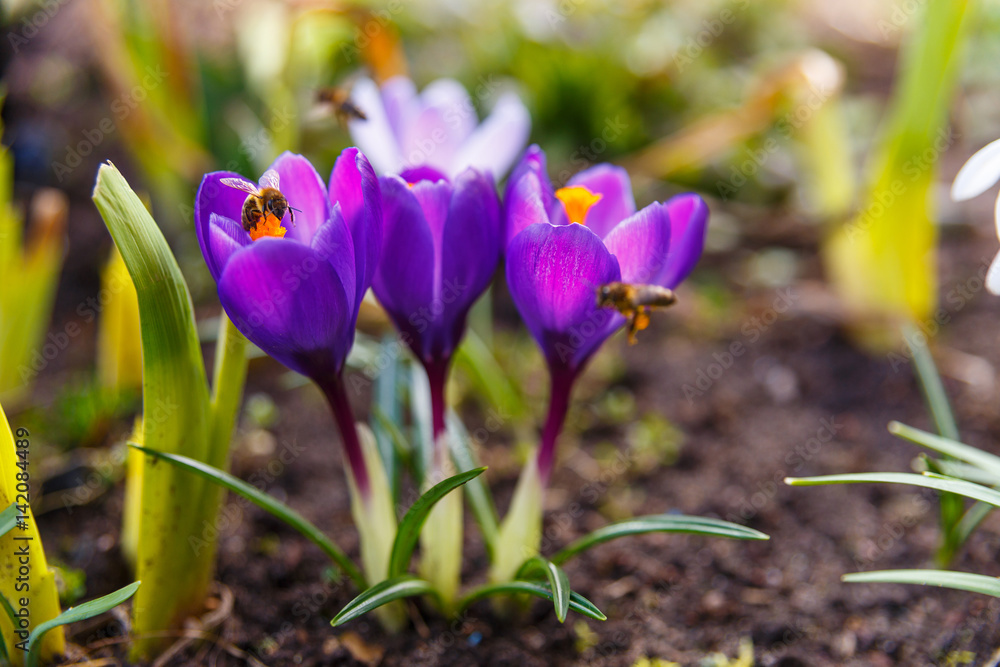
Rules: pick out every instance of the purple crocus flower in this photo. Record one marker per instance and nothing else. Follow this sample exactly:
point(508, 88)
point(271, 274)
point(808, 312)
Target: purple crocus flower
point(441, 248)
point(296, 290)
point(436, 128)
point(565, 244)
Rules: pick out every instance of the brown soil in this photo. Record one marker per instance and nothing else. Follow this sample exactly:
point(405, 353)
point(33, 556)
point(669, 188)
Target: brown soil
point(800, 399)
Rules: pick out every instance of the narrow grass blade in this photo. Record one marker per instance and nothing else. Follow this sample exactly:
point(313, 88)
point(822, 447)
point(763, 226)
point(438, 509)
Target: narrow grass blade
point(558, 582)
point(659, 523)
point(962, 581)
point(409, 528)
point(577, 602)
point(951, 468)
point(930, 384)
point(8, 609)
point(8, 519)
point(953, 448)
point(268, 504)
point(386, 399)
point(480, 499)
point(79, 613)
point(971, 520)
point(928, 480)
point(382, 593)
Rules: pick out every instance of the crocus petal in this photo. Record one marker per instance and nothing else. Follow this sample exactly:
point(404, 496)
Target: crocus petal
point(434, 198)
point(688, 227)
point(333, 243)
point(215, 198)
point(553, 273)
point(642, 243)
point(354, 186)
point(993, 276)
point(996, 215)
point(225, 237)
point(451, 98)
point(375, 135)
point(616, 203)
point(979, 174)
point(528, 200)
point(445, 122)
point(422, 173)
point(525, 205)
point(403, 282)
point(290, 303)
point(305, 191)
point(401, 103)
point(427, 141)
point(498, 140)
point(470, 253)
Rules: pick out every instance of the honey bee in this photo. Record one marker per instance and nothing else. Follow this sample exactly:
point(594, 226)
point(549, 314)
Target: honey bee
point(263, 204)
point(634, 302)
point(343, 108)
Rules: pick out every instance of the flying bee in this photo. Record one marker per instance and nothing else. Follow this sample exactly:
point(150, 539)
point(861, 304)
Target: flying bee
point(343, 108)
point(261, 204)
point(634, 302)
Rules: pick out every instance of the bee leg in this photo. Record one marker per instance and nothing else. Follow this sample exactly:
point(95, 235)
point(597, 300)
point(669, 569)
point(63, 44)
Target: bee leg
point(632, 327)
point(637, 322)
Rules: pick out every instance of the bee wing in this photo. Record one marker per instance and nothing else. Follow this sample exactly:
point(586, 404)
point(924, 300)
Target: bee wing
point(270, 179)
point(654, 295)
point(241, 184)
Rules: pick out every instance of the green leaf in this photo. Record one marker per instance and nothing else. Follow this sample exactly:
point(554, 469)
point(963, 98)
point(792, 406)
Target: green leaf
point(659, 523)
point(927, 480)
point(8, 609)
point(948, 447)
point(409, 528)
point(177, 412)
point(930, 383)
point(963, 581)
point(951, 468)
point(480, 499)
point(558, 582)
point(78, 613)
point(8, 519)
point(266, 503)
point(382, 593)
point(577, 602)
point(387, 410)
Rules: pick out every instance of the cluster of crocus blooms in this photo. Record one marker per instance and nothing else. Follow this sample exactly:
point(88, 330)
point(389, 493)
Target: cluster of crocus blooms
point(428, 236)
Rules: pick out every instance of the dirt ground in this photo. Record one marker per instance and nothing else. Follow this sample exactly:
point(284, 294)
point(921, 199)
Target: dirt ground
point(794, 397)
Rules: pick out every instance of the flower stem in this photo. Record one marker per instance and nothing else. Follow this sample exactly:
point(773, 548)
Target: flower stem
point(336, 395)
point(437, 376)
point(562, 386)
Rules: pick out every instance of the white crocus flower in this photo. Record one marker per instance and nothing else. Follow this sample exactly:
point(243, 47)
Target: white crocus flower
point(978, 175)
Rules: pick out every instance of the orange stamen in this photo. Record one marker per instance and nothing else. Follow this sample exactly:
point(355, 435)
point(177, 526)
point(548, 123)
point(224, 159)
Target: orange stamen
point(269, 226)
point(577, 200)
